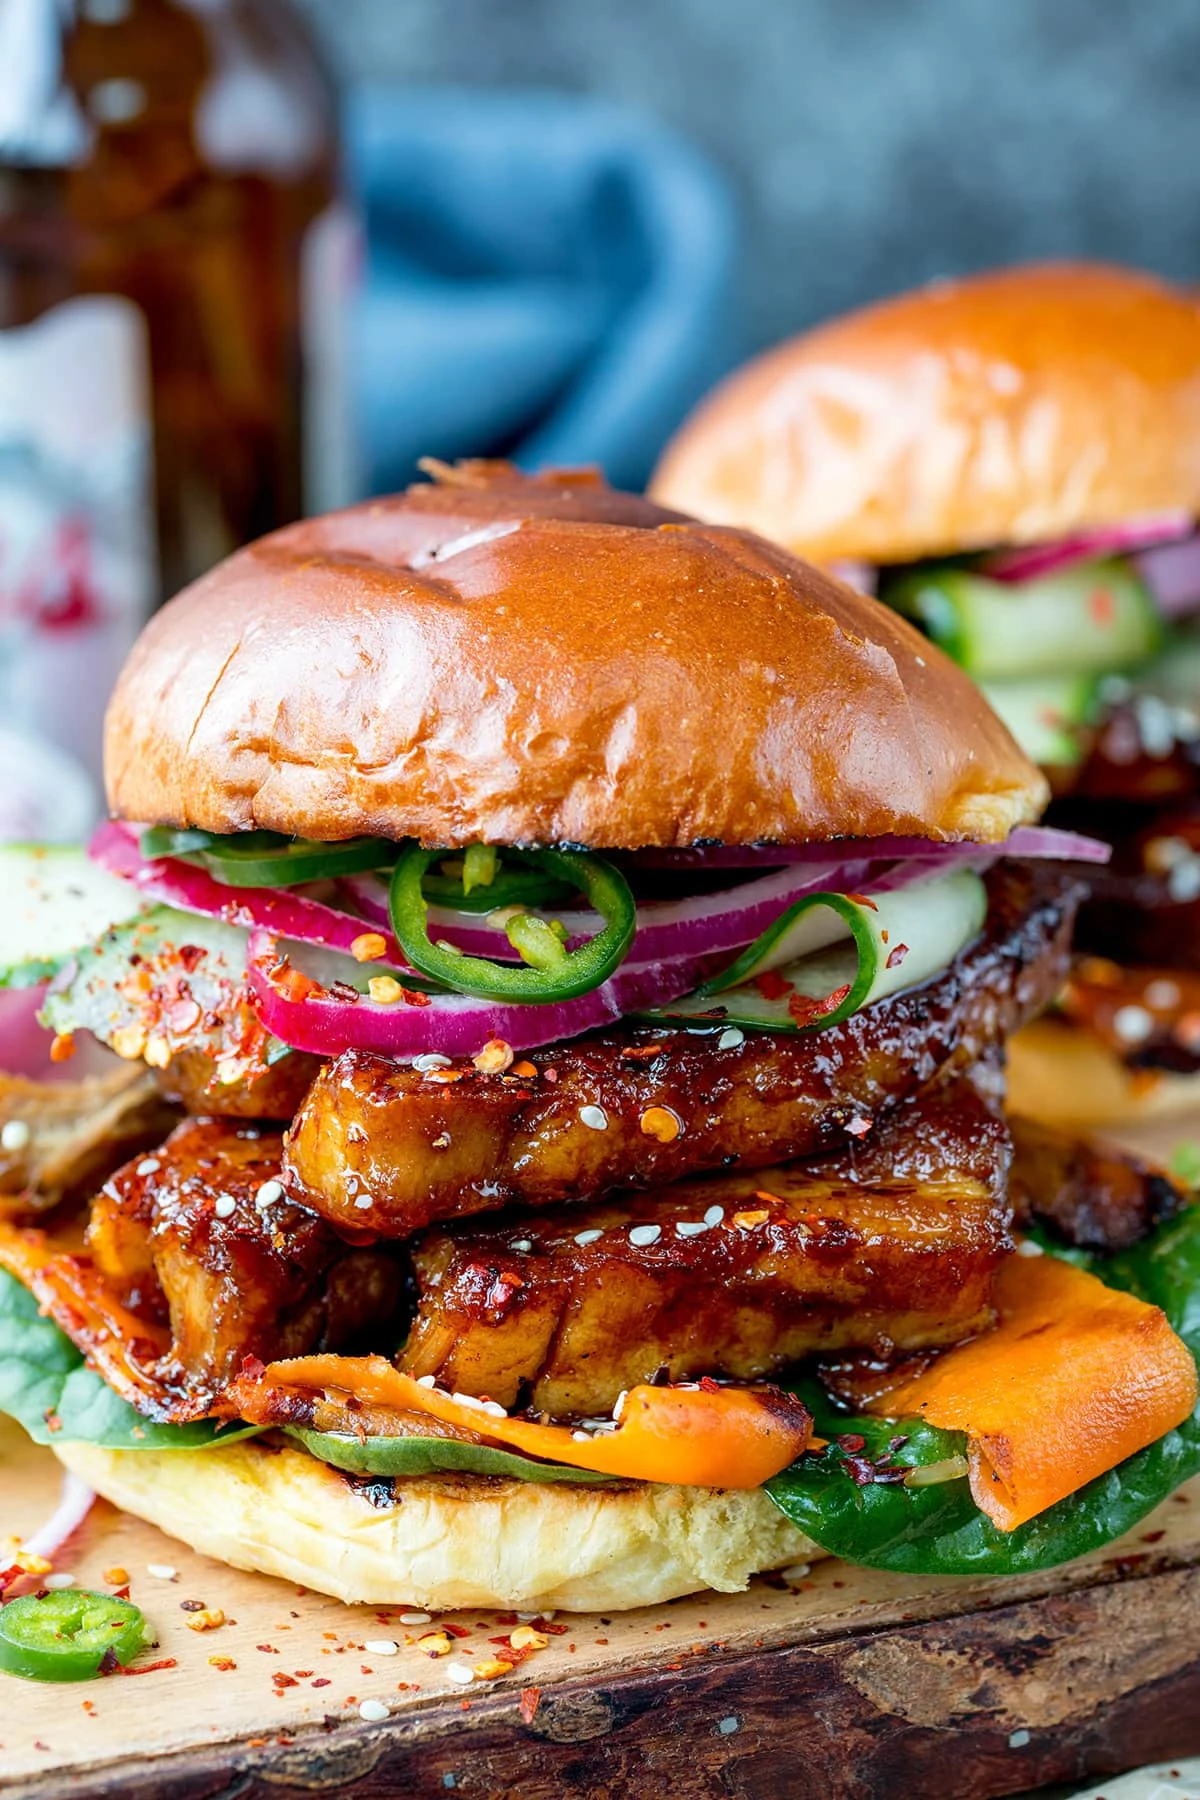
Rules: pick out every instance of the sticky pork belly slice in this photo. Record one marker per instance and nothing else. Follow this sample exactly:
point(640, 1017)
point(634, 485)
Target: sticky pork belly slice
point(395, 1148)
point(201, 1235)
point(890, 1246)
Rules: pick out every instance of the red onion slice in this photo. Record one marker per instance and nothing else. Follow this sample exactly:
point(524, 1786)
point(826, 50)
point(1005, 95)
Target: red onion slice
point(1025, 562)
point(75, 1502)
point(282, 911)
point(451, 1024)
point(1172, 573)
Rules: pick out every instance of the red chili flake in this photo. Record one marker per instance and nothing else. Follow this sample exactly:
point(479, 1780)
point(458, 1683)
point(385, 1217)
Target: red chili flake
point(191, 1606)
point(53, 1422)
point(1102, 606)
point(503, 1290)
point(166, 1662)
point(550, 1075)
point(322, 1681)
point(772, 986)
point(851, 1440)
point(455, 1631)
point(708, 1385)
point(293, 984)
point(897, 957)
point(342, 990)
point(805, 1011)
point(1153, 1537)
point(190, 955)
point(862, 900)
point(267, 1649)
point(531, 1699)
point(284, 1681)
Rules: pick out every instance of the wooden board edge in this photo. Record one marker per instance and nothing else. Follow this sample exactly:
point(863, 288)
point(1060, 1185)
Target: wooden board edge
point(1088, 1681)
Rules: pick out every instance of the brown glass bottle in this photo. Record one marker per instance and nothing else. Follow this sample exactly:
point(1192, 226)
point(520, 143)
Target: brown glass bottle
point(168, 185)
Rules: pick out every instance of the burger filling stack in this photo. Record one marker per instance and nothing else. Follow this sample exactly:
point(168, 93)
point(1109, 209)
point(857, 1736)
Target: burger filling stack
point(559, 959)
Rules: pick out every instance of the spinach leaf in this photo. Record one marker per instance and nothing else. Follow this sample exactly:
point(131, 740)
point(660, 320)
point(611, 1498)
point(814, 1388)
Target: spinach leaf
point(431, 1456)
point(939, 1530)
point(44, 1378)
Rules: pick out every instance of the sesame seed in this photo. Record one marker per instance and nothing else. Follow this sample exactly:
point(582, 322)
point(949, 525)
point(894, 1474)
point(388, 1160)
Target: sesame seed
point(618, 1409)
point(594, 1117)
point(794, 1572)
point(1017, 1740)
point(368, 946)
point(268, 1194)
point(381, 1647)
point(426, 1381)
point(521, 1245)
point(660, 1123)
point(373, 1711)
point(714, 1215)
point(587, 1237)
point(15, 1135)
point(225, 1206)
point(416, 1618)
point(730, 1038)
point(644, 1234)
point(467, 1400)
point(385, 990)
point(686, 1228)
point(363, 1202)
point(1162, 994)
point(1132, 1023)
point(430, 1060)
point(494, 1409)
point(1027, 1247)
point(148, 1166)
point(462, 1673)
point(162, 1571)
point(581, 1437)
point(55, 1582)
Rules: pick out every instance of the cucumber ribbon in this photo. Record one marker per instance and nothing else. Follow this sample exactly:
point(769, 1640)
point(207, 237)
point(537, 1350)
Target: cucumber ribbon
point(829, 955)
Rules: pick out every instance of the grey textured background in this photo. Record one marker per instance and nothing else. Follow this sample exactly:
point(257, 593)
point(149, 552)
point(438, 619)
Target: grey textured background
point(875, 143)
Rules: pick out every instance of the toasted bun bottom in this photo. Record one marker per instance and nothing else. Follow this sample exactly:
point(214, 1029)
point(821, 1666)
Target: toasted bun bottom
point(450, 1541)
point(1063, 1075)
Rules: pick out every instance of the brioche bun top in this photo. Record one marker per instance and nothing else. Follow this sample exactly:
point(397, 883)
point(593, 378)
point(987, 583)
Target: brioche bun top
point(1007, 408)
point(517, 660)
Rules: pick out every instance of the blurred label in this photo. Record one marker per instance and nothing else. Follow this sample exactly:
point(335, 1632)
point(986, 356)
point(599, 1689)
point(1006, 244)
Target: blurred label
point(77, 569)
point(330, 261)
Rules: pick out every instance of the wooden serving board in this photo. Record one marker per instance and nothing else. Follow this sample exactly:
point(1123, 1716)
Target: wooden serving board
point(841, 1682)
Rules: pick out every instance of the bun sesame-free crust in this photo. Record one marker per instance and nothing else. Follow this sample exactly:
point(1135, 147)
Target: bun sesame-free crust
point(1006, 408)
point(513, 659)
point(450, 1540)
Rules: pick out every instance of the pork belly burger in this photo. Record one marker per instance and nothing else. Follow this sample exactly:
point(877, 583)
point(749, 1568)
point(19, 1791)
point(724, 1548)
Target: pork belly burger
point(1013, 462)
point(581, 945)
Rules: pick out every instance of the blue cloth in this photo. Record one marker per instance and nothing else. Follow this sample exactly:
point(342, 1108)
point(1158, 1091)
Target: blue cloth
point(548, 277)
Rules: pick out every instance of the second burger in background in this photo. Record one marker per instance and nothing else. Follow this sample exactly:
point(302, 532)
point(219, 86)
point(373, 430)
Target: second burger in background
point(1013, 462)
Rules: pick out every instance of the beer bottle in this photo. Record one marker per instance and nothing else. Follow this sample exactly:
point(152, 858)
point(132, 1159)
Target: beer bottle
point(172, 254)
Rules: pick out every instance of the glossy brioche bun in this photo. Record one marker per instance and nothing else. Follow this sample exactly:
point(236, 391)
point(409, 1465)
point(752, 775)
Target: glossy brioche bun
point(513, 659)
point(454, 1540)
point(1002, 409)
point(1063, 1074)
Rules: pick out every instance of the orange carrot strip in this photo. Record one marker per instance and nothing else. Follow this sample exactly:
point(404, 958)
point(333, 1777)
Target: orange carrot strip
point(67, 1287)
point(727, 1437)
point(1074, 1378)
